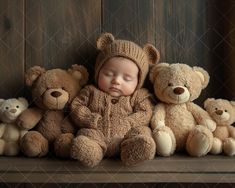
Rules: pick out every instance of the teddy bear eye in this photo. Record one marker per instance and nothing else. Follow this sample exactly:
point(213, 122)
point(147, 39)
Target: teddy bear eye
point(170, 84)
point(216, 108)
point(226, 110)
point(17, 106)
point(6, 107)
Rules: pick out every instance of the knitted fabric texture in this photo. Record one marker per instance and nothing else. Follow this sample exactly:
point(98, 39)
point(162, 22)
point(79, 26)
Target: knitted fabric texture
point(126, 49)
point(95, 109)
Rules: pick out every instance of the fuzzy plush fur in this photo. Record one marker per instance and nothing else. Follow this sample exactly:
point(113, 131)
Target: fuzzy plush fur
point(223, 113)
point(10, 133)
point(52, 90)
point(178, 123)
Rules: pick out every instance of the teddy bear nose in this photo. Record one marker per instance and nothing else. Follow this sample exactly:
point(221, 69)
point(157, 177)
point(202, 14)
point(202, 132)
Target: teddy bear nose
point(178, 90)
point(55, 94)
point(13, 111)
point(219, 112)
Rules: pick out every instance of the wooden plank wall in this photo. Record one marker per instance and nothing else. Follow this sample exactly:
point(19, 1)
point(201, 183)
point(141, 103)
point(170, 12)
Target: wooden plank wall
point(59, 33)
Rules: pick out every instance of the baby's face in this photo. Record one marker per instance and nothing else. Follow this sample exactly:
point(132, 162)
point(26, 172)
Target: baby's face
point(118, 77)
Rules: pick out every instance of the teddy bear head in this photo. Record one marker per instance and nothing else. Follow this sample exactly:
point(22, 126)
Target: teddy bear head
point(10, 109)
point(178, 83)
point(54, 89)
point(221, 111)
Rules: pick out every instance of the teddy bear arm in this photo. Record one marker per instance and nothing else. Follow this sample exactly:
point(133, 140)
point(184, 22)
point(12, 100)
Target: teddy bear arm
point(67, 126)
point(29, 118)
point(2, 129)
point(158, 118)
point(231, 130)
point(201, 116)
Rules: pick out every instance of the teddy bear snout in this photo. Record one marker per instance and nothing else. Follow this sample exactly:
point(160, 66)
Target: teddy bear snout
point(178, 90)
point(219, 112)
point(13, 111)
point(56, 94)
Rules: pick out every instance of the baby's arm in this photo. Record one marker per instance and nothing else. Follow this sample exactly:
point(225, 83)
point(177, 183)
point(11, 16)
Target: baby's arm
point(143, 109)
point(80, 113)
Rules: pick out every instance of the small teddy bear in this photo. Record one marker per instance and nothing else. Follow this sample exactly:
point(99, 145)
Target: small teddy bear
point(177, 122)
point(223, 113)
point(52, 91)
point(10, 133)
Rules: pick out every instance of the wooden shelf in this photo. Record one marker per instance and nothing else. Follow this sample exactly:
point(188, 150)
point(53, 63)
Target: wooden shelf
point(178, 168)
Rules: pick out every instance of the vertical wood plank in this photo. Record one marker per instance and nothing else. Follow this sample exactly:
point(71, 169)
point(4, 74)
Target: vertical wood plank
point(189, 33)
point(11, 48)
point(60, 33)
point(129, 19)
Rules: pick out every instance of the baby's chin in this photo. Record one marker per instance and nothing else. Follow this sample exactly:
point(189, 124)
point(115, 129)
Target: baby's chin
point(115, 94)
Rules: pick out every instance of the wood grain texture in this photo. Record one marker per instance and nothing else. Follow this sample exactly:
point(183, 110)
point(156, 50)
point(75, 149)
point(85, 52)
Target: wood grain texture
point(178, 168)
point(62, 33)
point(129, 19)
point(11, 48)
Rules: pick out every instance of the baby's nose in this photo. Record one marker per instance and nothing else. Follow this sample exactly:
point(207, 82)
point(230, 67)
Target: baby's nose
point(115, 80)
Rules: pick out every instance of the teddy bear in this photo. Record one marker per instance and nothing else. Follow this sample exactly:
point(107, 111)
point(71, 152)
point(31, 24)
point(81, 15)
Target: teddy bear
point(177, 122)
point(223, 113)
point(52, 91)
point(10, 133)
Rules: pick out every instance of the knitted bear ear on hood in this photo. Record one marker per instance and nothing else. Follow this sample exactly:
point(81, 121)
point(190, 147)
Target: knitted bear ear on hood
point(104, 40)
point(153, 55)
point(32, 74)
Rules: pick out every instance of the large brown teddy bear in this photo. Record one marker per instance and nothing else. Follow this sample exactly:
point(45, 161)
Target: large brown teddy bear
point(223, 113)
point(52, 90)
point(177, 122)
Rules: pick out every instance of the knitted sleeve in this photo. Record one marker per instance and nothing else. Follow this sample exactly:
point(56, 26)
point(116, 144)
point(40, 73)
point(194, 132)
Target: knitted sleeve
point(143, 109)
point(80, 113)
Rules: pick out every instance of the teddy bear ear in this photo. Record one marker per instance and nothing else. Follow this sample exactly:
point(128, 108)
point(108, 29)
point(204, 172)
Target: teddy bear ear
point(208, 101)
point(152, 53)
point(80, 73)
point(23, 101)
point(1, 101)
point(232, 103)
point(104, 40)
point(203, 75)
point(32, 74)
point(155, 69)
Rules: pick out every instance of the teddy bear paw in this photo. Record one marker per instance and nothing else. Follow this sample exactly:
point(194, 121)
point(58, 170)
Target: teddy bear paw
point(164, 143)
point(210, 124)
point(199, 141)
point(87, 151)
point(137, 149)
point(33, 144)
point(229, 147)
point(216, 147)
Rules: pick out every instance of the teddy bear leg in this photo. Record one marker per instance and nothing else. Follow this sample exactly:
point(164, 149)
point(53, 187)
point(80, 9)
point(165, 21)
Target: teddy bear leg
point(33, 144)
point(199, 141)
point(63, 144)
point(229, 146)
point(11, 149)
point(216, 147)
point(137, 146)
point(2, 146)
point(165, 141)
point(88, 147)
